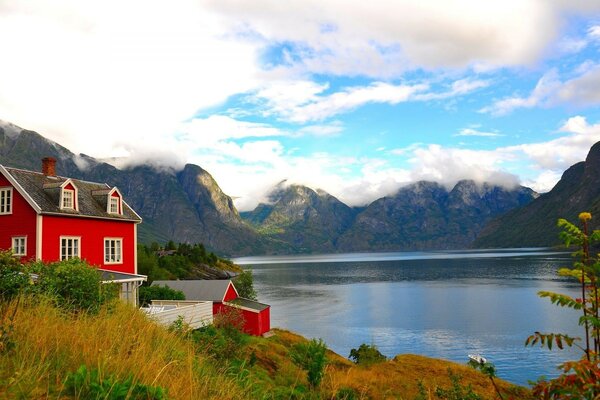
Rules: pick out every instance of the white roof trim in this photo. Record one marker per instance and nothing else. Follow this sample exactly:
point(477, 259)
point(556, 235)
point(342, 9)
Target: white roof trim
point(20, 189)
point(131, 208)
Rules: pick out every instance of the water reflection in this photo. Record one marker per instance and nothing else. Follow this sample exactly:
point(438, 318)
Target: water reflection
point(440, 304)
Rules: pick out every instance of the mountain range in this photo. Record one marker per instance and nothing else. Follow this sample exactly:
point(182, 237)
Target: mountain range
point(422, 215)
point(187, 205)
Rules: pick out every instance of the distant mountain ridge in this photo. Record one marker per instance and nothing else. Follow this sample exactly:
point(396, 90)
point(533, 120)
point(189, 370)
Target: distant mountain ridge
point(420, 216)
point(188, 206)
point(535, 224)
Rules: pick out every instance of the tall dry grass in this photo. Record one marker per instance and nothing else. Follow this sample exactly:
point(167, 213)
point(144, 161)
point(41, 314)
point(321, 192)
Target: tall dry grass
point(47, 344)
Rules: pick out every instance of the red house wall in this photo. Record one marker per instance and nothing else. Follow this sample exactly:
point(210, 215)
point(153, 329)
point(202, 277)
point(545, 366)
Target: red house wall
point(255, 323)
point(92, 232)
point(21, 222)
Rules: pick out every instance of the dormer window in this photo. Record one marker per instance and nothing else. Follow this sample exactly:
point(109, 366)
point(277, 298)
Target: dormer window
point(68, 195)
point(67, 199)
point(114, 205)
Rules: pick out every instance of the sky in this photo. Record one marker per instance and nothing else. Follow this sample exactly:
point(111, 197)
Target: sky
point(356, 98)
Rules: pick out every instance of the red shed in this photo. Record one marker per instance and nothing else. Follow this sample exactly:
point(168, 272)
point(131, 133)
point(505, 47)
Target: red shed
point(51, 218)
point(223, 294)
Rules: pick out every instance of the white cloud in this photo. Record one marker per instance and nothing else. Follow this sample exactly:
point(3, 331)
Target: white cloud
point(546, 86)
point(559, 154)
point(304, 101)
point(457, 88)
point(583, 90)
point(206, 131)
point(90, 76)
point(449, 165)
point(382, 38)
point(332, 129)
point(594, 32)
point(352, 98)
point(475, 132)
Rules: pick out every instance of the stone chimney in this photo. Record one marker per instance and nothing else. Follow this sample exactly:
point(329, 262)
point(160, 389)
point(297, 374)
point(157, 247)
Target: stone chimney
point(49, 166)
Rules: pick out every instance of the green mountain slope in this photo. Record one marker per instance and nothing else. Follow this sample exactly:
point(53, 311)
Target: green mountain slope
point(578, 190)
point(308, 220)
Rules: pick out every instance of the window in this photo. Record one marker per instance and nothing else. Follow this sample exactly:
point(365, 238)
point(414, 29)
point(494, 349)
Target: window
point(19, 246)
point(114, 205)
point(68, 199)
point(113, 251)
point(70, 247)
point(6, 200)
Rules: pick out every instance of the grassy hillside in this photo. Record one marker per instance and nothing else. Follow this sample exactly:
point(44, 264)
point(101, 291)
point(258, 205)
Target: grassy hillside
point(40, 345)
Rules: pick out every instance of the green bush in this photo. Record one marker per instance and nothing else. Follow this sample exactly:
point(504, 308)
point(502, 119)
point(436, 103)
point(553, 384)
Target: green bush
point(367, 354)
point(13, 276)
point(310, 356)
point(244, 284)
point(149, 293)
point(224, 340)
point(74, 284)
point(89, 384)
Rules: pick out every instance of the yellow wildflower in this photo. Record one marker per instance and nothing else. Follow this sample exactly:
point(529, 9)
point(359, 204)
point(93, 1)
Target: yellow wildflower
point(585, 216)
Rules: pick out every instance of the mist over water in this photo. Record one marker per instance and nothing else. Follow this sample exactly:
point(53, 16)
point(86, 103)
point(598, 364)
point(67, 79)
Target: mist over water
point(443, 304)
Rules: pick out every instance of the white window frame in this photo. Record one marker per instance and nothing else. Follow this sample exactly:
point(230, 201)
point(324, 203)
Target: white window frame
point(6, 200)
point(113, 243)
point(116, 202)
point(64, 197)
point(69, 253)
point(16, 246)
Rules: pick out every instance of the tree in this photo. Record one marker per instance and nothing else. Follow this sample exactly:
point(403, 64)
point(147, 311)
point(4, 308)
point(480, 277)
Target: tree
point(580, 379)
point(244, 284)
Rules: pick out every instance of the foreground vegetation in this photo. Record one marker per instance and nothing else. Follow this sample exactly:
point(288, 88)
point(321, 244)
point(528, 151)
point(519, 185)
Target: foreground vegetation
point(67, 336)
point(51, 349)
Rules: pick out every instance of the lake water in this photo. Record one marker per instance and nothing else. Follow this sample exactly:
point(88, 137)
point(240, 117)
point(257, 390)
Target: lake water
point(443, 304)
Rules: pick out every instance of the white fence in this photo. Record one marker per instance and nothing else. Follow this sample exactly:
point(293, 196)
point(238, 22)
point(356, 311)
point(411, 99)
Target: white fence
point(194, 313)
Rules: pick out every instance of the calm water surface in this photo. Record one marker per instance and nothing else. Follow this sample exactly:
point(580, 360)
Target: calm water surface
point(443, 304)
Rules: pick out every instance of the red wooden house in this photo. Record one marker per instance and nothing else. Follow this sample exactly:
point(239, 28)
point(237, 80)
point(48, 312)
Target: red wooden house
point(51, 218)
point(257, 317)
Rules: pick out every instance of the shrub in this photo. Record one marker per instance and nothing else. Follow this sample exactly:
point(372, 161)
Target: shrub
point(149, 293)
point(224, 339)
point(366, 354)
point(75, 285)
point(310, 356)
point(244, 284)
point(89, 384)
point(13, 277)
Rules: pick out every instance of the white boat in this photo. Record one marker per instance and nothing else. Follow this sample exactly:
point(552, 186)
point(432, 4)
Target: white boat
point(478, 359)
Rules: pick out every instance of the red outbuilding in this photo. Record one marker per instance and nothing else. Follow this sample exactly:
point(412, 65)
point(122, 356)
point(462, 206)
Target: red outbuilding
point(51, 218)
point(223, 294)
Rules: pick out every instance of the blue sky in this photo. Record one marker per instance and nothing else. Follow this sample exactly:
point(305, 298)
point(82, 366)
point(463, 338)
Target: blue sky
point(356, 98)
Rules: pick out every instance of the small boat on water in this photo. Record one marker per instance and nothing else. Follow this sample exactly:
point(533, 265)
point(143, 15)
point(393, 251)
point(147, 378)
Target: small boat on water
point(477, 358)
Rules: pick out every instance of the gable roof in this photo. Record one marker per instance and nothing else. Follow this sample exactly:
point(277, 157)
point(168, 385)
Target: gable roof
point(247, 304)
point(42, 193)
point(204, 290)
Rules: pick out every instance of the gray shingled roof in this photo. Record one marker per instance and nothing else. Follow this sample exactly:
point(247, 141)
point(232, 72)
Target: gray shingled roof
point(44, 191)
point(247, 303)
point(201, 290)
